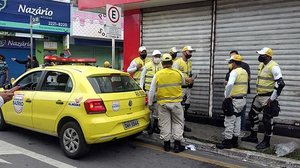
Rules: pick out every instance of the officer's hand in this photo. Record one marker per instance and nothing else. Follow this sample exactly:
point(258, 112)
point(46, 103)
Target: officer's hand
point(225, 83)
point(7, 96)
point(189, 80)
point(269, 102)
point(139, 66)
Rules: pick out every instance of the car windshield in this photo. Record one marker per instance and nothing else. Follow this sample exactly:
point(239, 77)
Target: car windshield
point(113, 83)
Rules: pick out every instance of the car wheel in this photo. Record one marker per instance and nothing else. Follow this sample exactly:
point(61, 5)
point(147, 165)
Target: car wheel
point(72, 141)
point(3, 125)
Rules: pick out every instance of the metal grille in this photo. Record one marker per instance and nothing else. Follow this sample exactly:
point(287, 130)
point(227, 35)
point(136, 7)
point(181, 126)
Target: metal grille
point(248, 26)
point(177, 26)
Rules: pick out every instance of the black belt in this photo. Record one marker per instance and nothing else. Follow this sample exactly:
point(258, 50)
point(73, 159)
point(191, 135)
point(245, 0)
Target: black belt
point(238, 97)
point(185, 86)
point(237, 114)
point(265, 94)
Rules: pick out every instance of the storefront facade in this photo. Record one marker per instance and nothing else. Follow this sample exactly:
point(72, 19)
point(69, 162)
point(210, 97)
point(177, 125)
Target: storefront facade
point(48, 33)
point(89, 39)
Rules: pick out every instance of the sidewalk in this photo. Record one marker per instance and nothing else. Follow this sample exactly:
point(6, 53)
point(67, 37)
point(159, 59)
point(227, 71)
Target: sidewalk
point(205, 136)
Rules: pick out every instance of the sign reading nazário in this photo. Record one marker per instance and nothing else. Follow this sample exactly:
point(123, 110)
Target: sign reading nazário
point(15, 42)
point(54, 16)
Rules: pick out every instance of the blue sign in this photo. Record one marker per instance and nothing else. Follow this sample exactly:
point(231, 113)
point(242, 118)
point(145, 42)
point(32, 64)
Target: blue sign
point(15, 42)
point(54, 16)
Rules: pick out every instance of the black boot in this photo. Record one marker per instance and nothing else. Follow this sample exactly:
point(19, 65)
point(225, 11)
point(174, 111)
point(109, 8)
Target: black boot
point(226, 144)
point(251, 138)
point(234, 141)
point(155, 126)
point(187, 129)
point(265, 143)
point(178, 147)
point(167, 146)
point(150, 129)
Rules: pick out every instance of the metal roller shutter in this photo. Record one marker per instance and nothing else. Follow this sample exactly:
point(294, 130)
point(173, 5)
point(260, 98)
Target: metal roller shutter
point(186, 24)
point(247, 26)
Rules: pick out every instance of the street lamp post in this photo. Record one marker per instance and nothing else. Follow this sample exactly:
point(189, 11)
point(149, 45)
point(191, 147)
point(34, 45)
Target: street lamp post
point(31, 43)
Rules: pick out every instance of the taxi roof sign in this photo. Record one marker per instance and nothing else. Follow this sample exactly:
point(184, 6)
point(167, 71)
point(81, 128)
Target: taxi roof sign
point(50, 58)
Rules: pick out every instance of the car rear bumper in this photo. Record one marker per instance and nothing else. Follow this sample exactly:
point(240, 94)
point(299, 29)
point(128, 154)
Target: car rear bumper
point(103, 128)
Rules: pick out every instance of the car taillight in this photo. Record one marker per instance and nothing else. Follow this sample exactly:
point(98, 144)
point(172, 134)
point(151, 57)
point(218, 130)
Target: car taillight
point(94, 106)
point(146, 100)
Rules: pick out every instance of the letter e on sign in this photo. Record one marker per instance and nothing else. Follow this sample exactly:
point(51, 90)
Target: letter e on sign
point(113, 14)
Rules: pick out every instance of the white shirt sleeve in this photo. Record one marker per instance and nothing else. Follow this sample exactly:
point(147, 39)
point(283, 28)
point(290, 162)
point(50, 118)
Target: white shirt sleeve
point(1, 101)
point(276, 71)
point(175, 65)
point(152, 91)
point(182, 79)
point(142, 78)
point(132, 67)
point(230, 83)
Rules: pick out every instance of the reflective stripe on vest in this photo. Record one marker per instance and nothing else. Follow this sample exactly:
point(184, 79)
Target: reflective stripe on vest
point(151, 69)
point(168, 82)
point(265, 82)
point(240, 86)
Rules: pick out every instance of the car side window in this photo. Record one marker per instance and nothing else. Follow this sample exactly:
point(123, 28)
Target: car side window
point(57, 82)
point(30, 81)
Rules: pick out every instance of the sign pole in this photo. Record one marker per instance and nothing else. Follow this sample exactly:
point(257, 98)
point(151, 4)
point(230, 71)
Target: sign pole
point(113, 52)
point(31, 43)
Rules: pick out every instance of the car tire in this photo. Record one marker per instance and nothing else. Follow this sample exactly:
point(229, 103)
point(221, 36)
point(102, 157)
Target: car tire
point(72, 141)
point(3, 125)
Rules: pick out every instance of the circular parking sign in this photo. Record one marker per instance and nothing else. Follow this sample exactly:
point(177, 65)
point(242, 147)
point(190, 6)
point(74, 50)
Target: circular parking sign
point(113, 14)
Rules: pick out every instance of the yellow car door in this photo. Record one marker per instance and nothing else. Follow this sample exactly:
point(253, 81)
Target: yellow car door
point(50, 100)
point(19, 110)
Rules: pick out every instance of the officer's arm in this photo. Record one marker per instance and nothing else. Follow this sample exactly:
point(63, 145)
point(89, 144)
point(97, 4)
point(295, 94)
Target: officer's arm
point(279, 83)
point(230, 83)
point(152, 91)
point(175, 65)
point(132, 67)
point(182, 79)
point(142, 78)
point(1, 101)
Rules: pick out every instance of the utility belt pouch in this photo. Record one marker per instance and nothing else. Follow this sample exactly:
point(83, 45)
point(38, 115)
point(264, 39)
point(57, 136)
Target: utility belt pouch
point(273, 110)
point(227, 107)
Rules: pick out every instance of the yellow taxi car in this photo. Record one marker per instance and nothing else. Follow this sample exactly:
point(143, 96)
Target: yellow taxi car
point(80, 104)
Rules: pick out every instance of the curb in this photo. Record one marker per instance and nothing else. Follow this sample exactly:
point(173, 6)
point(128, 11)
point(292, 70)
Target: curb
point(243, 155)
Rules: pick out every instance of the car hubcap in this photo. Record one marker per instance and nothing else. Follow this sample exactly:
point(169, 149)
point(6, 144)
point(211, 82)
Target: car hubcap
point(71, 140)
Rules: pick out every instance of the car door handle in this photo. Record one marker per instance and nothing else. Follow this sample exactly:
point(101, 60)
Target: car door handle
point(28, 100)
point(59, 102)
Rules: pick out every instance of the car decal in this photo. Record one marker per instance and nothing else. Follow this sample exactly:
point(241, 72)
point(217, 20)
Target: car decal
point(115, 105)
point(18, 102)
point(75, 103)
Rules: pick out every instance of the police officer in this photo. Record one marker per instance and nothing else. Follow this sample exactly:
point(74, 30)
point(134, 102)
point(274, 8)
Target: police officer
point(184, 64)
point(245, 66)
point(106, 64)
point(269, 85)
point(136, 65)
point(235, 97)
point(145, 81)
point(173, 52)
point(167, 83)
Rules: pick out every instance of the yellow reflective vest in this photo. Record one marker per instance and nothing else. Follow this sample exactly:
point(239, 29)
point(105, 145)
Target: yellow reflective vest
point(184, 67)
point(137, 73)
point(265, 82)
point(151, 69)
point(168, 86)
point(240, 86)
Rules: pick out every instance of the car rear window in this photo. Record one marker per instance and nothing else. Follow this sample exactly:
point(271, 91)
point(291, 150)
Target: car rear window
point(113, 83)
